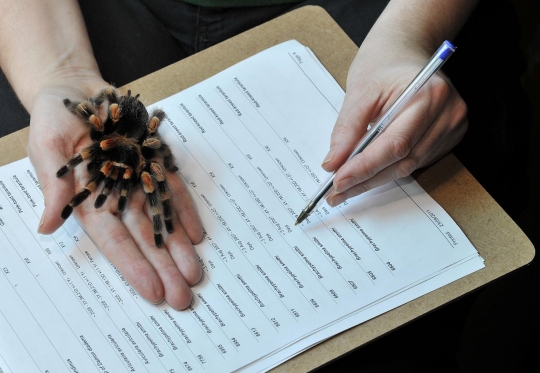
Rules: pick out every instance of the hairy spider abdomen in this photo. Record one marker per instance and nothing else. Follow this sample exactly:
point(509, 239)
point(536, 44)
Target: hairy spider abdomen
point(133, 121)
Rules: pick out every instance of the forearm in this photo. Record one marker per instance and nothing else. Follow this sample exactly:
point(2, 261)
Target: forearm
point(42, 41)
point(422, 24)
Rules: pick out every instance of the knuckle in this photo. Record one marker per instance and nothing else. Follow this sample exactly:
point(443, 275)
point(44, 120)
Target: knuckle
point(457, 123)
point(358, 189)
point(115, 241)
point(341, 129)
point(169, 267)
point(441, 90)
point(138, 267)
point(367, 170)
point(400, 147)
point(406, 166)
point(460, 111)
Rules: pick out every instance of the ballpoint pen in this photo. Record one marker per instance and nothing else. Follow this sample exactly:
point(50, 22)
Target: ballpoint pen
point(434, 64)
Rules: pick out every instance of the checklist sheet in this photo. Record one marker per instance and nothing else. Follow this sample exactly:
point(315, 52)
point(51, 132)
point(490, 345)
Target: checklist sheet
point(249, 142)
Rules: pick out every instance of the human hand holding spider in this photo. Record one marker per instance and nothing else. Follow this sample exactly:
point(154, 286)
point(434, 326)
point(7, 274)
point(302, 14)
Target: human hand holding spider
point(47, 57)
point(126, 239)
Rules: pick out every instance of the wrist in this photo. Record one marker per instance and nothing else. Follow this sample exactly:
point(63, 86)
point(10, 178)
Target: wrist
point(75, 71)
point(422, 25)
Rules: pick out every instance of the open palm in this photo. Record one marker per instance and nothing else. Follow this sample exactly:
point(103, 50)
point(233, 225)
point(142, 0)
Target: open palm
point(126, 239)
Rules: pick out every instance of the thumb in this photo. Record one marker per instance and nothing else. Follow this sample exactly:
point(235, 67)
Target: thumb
point(47, 155)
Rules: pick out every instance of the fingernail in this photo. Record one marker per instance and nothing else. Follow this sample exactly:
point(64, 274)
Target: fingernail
point(190, 303)
point(329, 156)
point(41, 221)
point(159, 303)
point(192, 300)
point(201, 280)
point(330, 200)
point(345, 184)
point(336, 199)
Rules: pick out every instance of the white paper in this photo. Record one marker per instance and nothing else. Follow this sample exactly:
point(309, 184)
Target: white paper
point(249, 142)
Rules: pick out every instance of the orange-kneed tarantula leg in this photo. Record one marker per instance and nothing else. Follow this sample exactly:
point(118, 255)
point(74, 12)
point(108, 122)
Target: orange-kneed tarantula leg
point(87, 113)
point(97, 178)
point(111, 95)
point(154, 145)
point(107, 188)
point(156, 117)
point(148, 182)
point(168, 158)
point(124, 182)
point(164, 194)
point(91, 153)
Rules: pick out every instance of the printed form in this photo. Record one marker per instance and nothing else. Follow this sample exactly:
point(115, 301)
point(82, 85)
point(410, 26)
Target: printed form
point(249, 143)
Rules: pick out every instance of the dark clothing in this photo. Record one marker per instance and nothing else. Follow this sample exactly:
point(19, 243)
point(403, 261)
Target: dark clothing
point(134, 38)
point(236, 3)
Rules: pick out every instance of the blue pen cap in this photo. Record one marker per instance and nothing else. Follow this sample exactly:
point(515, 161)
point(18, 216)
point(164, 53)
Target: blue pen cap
point(446, 50)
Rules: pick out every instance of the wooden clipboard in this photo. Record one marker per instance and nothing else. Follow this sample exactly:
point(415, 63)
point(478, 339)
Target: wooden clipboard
point(498, 239)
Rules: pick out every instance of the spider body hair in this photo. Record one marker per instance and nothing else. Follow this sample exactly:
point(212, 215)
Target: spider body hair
point(121, 155)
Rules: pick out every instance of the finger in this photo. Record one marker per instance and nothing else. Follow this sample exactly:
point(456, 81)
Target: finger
point(397, 141)
point(383, 177)
point(185, 208)
point(359, 108)
point(137, 222)
point(179, 243)
point(447, 131)
point(183, 253)
point(117, 244)
point(47, 156)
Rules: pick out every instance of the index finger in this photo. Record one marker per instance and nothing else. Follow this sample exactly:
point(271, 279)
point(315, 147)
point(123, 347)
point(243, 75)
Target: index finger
point(359, 108)
point(185, 208)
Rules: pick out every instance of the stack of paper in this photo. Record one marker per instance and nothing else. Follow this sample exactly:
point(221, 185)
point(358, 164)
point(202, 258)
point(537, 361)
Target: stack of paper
point(249, 142)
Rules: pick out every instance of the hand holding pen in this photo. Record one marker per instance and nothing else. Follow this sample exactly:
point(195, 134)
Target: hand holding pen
point(418, 137)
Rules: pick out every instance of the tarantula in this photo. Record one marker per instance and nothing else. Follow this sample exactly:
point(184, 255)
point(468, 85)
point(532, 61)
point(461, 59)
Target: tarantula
point(121, 155)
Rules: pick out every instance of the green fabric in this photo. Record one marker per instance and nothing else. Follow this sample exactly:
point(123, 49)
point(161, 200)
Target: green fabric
point(237, 3)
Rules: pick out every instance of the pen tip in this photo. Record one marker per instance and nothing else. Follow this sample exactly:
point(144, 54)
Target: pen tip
point(301, 217)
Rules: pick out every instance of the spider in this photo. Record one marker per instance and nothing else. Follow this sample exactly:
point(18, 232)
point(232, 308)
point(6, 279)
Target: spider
point(121, 154)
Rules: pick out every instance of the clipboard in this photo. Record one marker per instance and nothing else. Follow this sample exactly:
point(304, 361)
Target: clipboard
point(497, 238)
